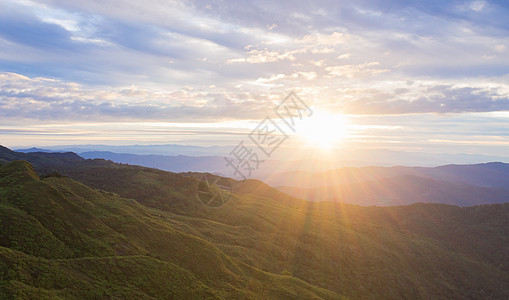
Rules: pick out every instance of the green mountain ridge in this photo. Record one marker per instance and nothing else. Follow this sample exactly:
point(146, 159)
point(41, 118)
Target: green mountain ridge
point(89, 231)
point(71, 239)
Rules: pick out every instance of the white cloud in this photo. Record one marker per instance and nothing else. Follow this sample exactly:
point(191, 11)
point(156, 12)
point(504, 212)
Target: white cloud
point(38, 98)
point(477, 5)
point(306, 75)
point(426, 97)
point(356, 71)
point(345, 56)
point(318, 63)
point(271, 79)
point(322, 50)
point(500, 48)
point(317, 39)
point(256, 56)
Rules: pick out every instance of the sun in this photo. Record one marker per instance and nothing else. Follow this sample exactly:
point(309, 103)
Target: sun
point(323, 129)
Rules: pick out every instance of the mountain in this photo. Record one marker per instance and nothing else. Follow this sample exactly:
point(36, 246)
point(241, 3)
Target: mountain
point(402, 190)
point(337, 158)
point(364, 186)
point(61, 239)
point(46, 162)
point(179, 163)
point(117, 231)
point(494, 174)
point(212, 164)
point(167, 149)
point(33, 149)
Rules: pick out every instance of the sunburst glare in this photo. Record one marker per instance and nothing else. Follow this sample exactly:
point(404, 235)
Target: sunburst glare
point(323, 129)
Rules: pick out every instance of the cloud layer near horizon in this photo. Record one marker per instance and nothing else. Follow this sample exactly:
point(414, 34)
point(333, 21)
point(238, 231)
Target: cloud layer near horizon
point(54, 100)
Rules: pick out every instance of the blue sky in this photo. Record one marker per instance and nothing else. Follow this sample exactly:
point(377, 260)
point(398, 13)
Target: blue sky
point(411, 75)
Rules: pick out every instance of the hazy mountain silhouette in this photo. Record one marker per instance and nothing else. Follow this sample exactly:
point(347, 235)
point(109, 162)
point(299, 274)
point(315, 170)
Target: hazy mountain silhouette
point(495, 174)
point(403, 190)
point(462, 185)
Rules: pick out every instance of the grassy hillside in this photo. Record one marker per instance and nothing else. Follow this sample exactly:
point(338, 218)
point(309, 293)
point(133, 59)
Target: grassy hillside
point(75, 241)
point(360, 252)
point(260, 244)
point(151, 187)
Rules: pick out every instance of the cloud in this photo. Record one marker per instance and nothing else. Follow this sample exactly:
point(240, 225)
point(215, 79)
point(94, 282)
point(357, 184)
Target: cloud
point(477, 5)
point(264, 56)
point(116, 58)
point(22, 97)
point(24, 30)
point(356, 71)
point(335, 38)
point(189, 42)
point(344, 56)
point(428, 98)
point(500, 48)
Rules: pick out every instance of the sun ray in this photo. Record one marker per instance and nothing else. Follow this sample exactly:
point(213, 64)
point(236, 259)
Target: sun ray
point(323, 130)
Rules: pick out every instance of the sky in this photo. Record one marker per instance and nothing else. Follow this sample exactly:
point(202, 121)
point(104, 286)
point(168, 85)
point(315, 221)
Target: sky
point(418, 76)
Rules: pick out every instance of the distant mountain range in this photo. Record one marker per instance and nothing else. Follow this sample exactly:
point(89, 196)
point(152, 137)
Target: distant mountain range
point(452, 184)
point(403, 190)
point(75, 228)
point(337, 158)
point(167, 149)
point(463, 185)
point(178, 163)
point(212, 164)
point(34, 149)
point(494, 174)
